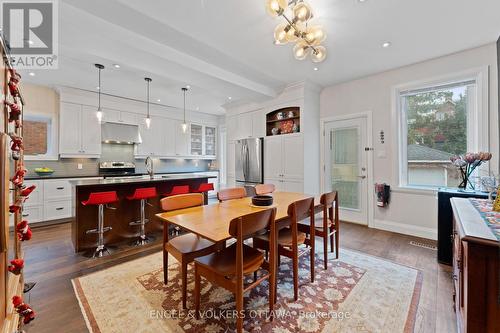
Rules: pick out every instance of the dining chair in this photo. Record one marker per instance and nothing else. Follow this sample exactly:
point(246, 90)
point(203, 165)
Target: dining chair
point(228, 267)
point(289, 238)
point(231, 193)
point(326, 226)
point(185, 248)
point(264, 189)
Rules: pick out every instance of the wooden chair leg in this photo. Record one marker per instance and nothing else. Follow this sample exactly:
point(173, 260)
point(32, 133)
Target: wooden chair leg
point(239, 307)
point(325, 251)
point(295, 275)
point(254, 276)
point(165, 267)
point(313, 257)
point(197, 296)
point(336, 244)
point(184, 283)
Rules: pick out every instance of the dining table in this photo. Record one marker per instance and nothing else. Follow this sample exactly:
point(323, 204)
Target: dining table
point(212, 221)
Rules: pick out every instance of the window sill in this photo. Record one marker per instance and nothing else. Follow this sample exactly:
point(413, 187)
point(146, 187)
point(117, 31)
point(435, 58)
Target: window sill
point(415, 190)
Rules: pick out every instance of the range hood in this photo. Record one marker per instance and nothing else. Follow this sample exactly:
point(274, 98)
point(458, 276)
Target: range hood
point(120, 133)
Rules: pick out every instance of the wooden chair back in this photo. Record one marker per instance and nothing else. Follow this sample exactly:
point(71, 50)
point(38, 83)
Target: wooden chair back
point(264, 189)
point(181, 201)
point(252, 223)
point(298, 211)
point(231, 193)
point(330, 202)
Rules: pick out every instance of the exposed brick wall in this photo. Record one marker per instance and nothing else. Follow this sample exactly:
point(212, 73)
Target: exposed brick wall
point(35, 137)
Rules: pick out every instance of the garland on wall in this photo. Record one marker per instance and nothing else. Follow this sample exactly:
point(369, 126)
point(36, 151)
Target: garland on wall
point(13, 105)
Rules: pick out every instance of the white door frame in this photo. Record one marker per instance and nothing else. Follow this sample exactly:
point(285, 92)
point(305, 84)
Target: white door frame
point(369, 158)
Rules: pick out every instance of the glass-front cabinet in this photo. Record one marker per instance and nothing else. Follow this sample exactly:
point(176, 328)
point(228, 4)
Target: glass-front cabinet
point(203, 141)
point(196, 140)
point(210, 140)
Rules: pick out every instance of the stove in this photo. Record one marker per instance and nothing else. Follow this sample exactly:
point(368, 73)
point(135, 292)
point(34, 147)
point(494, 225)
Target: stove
point(118, 170)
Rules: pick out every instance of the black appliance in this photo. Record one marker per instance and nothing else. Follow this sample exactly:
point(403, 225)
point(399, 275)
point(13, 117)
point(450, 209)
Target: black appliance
point(445, 220)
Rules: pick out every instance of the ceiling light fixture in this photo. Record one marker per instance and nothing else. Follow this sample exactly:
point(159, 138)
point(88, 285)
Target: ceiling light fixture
point(386, 44)
point(99, 111)
point(229, 98)
point(188, 86)
point(184, 124)
point(32, 74)
point(158, 100)
point(297, 29)
point(116, 66)
point(148, 118)
point(316, 68)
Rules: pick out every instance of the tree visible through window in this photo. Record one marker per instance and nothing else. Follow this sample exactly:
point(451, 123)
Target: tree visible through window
point(436, 129)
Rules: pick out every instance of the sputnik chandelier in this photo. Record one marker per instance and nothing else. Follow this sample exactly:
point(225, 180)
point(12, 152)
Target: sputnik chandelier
point(296, 29)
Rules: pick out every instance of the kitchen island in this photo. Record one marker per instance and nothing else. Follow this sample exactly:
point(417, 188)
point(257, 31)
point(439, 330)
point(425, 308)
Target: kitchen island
point(86, 217)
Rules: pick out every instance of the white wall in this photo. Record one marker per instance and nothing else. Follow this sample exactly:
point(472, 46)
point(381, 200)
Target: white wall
point(409, 212)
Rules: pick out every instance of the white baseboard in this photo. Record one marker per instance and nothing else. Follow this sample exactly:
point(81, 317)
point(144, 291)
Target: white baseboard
point(406, 229)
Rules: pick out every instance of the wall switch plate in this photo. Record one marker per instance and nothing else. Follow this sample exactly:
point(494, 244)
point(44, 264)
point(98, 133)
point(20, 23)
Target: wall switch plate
point(79, 166)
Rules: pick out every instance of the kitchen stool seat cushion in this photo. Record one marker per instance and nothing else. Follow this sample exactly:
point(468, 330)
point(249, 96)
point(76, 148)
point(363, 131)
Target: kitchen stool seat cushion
point(178, 189)
point(143, 193)
point(204, 187)
point(101, 198)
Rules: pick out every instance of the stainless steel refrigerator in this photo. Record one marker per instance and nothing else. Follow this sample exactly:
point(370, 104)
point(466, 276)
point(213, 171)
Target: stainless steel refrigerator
point(249, 161)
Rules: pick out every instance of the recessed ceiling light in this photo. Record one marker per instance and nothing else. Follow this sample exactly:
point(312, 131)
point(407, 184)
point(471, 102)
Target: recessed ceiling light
point(316, 68)
point(362, 1)
point(98, 87)
point(188, 86)
point(197, 108)
point(229, 98)
point(158, 100)
point(31, 73)
point(116, 66)
point(30, 42)
point(386, 44)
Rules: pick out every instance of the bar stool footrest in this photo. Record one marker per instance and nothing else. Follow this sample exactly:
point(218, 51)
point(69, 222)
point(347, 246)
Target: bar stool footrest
point(134, 223)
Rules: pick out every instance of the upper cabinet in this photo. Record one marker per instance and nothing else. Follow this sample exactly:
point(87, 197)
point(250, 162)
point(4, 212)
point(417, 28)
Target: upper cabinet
point(116, 116)
point(196, 142)
point(181, 139)
point(79, 131)
point(210, 141)
point(151, 143)
point(246, 125)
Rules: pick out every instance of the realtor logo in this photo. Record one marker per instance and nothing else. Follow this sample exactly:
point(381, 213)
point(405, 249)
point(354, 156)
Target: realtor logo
point(30, 30)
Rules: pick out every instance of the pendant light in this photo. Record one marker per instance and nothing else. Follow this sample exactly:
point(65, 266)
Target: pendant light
point(99, 88)
point(184, 124)
point(148, 118)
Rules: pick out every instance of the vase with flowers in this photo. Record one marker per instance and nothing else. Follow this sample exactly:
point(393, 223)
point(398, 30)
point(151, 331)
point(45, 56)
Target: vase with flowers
point(467, 163)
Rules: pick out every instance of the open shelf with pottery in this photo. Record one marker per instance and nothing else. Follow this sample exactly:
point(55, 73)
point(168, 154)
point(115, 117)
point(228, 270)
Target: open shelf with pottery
point(283, 121)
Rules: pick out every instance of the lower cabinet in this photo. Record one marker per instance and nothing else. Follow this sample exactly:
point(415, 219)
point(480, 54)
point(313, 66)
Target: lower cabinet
point(285, 185)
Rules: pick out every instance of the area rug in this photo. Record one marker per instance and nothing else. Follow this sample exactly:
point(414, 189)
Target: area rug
point(358, 293)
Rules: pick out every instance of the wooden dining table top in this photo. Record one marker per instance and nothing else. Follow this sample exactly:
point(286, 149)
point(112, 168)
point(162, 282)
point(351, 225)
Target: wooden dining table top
point(212, 221)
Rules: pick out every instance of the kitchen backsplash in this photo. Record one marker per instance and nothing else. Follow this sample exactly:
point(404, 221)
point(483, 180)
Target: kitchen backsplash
point(111, 152)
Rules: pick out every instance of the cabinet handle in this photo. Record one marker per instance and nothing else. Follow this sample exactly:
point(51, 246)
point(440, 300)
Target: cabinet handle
point(25, 215)
point(59, 208)
point(60, 188)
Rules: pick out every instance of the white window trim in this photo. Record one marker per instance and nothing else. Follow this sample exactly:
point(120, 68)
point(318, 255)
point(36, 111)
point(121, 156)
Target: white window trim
point(478, 135)
point(53, 142)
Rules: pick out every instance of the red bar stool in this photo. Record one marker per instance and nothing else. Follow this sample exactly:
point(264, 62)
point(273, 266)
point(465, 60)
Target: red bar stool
point(178, 189)
point(142, 194)
point(204, 188)
point(100, 199)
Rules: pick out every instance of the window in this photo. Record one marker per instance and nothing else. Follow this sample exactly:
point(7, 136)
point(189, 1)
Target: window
point(436, 122)
point(39, 137)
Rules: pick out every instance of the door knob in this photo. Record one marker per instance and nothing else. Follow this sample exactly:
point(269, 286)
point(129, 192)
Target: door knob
point(362, 177)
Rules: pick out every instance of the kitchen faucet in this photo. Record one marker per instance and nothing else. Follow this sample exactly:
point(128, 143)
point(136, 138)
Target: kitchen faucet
point(149, 167)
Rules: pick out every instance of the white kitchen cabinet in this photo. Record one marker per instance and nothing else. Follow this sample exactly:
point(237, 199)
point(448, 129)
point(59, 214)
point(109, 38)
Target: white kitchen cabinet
point(232, 128)
point(284, 162)
point(79, 131)
point(116, 116)
point(152, 143)
point(210, 142)
point(245, 129)
point(128, 118)
point(196, 140)
point(168, 137)
point(181, 140)
point(91, 132)
point(258, 124)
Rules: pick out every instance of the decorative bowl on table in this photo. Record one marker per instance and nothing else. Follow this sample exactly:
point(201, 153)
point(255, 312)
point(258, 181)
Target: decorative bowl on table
point(44, 171)
point(262, 200)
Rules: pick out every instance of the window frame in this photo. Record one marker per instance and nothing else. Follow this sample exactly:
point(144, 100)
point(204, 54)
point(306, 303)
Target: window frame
point(52, 139)
point(477, 121)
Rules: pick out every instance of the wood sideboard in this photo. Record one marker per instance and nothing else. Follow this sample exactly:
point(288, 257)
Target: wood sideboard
point(476, 270)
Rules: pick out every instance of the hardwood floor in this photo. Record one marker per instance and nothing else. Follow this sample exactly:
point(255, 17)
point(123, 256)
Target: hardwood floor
point(51, 262)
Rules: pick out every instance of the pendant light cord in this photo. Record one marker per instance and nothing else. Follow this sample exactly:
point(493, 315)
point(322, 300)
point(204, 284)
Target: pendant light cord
point(184, 90)
point(99, 92)
point(148, 95)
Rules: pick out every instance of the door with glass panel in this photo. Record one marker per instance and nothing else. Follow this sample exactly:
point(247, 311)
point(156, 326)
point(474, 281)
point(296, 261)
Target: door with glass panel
point(346, 167)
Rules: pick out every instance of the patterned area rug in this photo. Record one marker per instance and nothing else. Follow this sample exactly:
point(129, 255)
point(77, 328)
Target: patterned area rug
point(358, 293)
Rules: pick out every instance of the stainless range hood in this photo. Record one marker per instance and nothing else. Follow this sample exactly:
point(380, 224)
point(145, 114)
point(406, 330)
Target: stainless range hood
point(120, 133)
